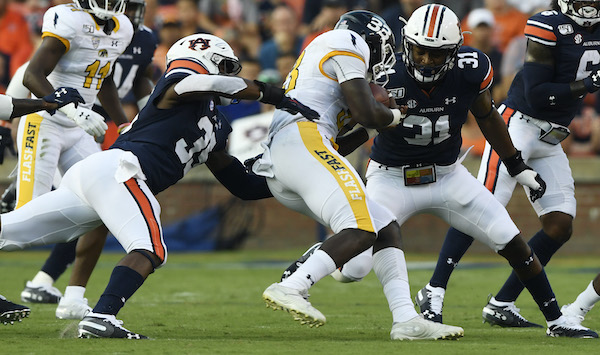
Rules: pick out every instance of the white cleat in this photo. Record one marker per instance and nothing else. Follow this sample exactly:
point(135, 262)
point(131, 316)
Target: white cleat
point(422, 329)
point(72, 308)
point(292, 301)
point(577, 313)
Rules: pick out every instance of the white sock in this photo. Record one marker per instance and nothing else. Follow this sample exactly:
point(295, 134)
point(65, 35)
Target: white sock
point(356, 268)
point(319, 265)
point(588, 298)
point(41, 278)
point(390, 267)
point(495, 302)
point(74, 292)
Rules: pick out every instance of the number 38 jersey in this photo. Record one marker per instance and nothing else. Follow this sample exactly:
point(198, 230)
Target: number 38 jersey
point(576, 54)
point(431, 131)
point(90, 54)
point(315, 81)
point(169, 142)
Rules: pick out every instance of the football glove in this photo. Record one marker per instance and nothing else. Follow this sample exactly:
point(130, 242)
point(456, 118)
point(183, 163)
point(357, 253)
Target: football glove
point(6, 142)
point(276, 96)
point(525, 176)
point(63, 96)
point(91, 122)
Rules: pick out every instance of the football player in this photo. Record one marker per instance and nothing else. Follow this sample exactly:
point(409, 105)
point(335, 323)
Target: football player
point(10, 108)
point(80, 44)
point(333, 74)
point(131, 76)
point(415, 167)
point(178, 129)
point(561, 67)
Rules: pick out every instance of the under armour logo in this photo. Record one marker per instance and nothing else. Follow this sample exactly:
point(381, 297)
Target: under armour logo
point(87, 116)
point(449, 261)
point(204, 43)
point(451, 100)
point(114, 43)
point(546, 304)
point(310, 278)
point(529, 261)
point(60, 92)
point(552, 100)
point(133, 336)
point(137, 50)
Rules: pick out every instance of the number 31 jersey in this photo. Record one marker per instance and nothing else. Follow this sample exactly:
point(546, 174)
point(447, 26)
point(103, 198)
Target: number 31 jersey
point(431, 131)
point(90, 53)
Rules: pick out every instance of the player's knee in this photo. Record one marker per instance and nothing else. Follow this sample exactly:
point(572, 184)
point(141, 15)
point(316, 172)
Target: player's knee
point(355, 269)
point(558, 226)
point(155, 260)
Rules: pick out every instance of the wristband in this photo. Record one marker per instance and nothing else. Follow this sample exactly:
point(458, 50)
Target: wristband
point(398, 116)
point(6, 107)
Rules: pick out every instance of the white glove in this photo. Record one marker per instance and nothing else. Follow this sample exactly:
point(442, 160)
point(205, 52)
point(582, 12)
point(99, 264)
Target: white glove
point(91, 122)
point(525, 176)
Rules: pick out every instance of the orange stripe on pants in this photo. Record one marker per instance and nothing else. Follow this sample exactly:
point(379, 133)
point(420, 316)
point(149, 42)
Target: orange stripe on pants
point(146, 208)
point(493, 165)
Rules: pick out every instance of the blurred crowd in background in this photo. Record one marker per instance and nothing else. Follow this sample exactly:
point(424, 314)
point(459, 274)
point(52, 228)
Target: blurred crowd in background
point(268, 36)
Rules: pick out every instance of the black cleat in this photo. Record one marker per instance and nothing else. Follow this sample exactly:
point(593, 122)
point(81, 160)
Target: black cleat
point(96, 325)
point(296, 264)
point(12, 312)
point(506, 316)
point(570, 328)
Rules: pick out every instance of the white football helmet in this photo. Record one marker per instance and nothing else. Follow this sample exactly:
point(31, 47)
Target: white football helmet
point(584, 13)
point(432, 27)
point(102, 9)
point(213, 53)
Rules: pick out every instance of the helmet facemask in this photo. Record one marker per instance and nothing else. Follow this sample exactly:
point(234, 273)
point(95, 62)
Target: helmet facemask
point(585, 13)
point(436, 29)
point(103, 9)
point(135, 11)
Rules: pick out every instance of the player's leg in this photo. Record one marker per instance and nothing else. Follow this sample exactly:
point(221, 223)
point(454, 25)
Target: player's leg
point(129, 209)
point(73, 305)
point(320, 183)
point(585, 301)
point(35, 177)
point(555, 209)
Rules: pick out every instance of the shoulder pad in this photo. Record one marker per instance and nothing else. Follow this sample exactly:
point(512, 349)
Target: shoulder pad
point(476, 67)
point(346, 41)
point(542, 27)
point(59, 21)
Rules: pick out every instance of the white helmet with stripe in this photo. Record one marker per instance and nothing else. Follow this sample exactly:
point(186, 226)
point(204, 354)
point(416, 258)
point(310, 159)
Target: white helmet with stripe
point(433, 27)
point(584, 13)
point(211, 52)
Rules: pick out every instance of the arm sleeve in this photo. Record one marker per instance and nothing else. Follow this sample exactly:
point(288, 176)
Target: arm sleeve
point(242, 184)
point(541, 93)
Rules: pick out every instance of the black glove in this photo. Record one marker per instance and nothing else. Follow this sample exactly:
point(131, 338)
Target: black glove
point(63, 96)
point(276, 96)
point(592, 82)
point(525, 176)
point(6, 142)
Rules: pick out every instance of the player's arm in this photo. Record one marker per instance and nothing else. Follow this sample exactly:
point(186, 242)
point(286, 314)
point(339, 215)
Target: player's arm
point(365, 109)
point(198, 86)
point(233, 175)
point(109, 98)
point(11, 107)
point(538, 72)
point(41, 65)
point(496, 133)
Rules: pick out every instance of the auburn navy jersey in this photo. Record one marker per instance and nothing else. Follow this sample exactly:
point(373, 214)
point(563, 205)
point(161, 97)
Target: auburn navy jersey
point(169, 142)
point(576, 54)
point(133, 62)
point(431, 131)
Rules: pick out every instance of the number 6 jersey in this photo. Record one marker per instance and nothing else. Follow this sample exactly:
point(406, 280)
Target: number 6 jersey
point(90, 54)
point(431, 131)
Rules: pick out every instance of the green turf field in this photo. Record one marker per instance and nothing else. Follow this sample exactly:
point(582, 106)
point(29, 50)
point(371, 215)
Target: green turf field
point(211, 304)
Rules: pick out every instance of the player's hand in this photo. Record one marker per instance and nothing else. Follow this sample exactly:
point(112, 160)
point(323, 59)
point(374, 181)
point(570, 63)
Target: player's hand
point(525, 176)
point(63, 96)
point(592, 82)
point(91, 122)
point(6, 142)
point(276, 96)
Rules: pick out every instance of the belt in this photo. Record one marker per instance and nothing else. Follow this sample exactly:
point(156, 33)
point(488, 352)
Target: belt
point(543, 125)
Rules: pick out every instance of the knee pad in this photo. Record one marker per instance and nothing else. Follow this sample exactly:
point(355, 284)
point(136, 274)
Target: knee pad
point(356, 268)
point(148, 256)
